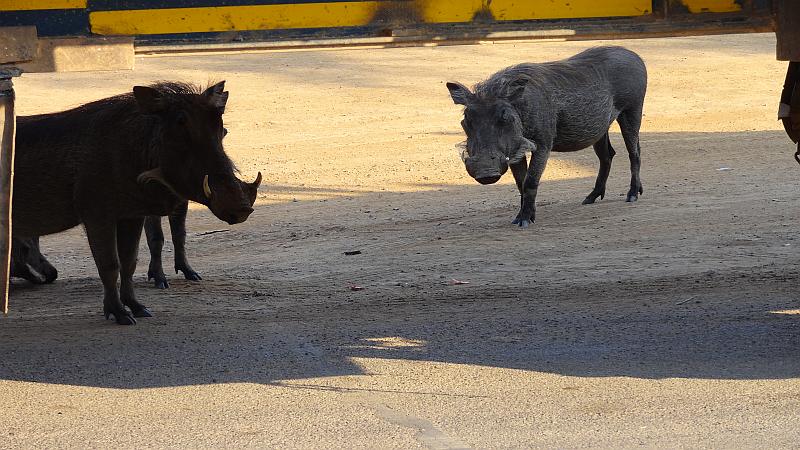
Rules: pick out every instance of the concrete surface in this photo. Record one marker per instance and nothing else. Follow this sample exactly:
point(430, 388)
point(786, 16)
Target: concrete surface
point(672, 322)
point(81, 54)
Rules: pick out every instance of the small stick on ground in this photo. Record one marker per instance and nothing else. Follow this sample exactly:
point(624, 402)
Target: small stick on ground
point(206, 233)
point(683, 302)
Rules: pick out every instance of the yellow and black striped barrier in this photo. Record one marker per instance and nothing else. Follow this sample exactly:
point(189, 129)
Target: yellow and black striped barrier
point(51, 17)
point(201, 17)
point(250, 15)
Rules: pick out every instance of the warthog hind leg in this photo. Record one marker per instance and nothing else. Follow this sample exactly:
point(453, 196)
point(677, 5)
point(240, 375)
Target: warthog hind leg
point(129, 231)
point(605, 153)
point(629, 123)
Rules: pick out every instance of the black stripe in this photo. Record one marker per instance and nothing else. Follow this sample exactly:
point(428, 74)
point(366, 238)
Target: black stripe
point(51, 22)
point(257, 35)
point(114, 5)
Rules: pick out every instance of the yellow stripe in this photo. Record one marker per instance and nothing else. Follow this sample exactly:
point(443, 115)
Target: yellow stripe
point(701, 6)
point(228, 18)
point(444, 11)
point(440, 11)
point(567, 9)
point(30, 5)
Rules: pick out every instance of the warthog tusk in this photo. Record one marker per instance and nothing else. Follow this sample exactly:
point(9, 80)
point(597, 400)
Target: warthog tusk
point(257, 183)
point(36, 274)
point(206, 187)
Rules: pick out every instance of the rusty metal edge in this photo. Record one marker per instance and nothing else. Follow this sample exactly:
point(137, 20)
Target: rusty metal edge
point(467, 34)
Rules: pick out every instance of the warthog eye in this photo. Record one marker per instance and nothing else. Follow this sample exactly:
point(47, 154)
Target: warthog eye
point(182, 118)
point(506, 117)
point(462, 150)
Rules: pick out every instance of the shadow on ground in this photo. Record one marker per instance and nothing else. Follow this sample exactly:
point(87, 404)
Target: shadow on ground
point(687, 283)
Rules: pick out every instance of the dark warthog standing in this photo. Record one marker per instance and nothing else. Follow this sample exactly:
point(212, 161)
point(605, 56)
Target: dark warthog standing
point(28, 262)
point(110, 163)
point(560, 106)
point(177, 227)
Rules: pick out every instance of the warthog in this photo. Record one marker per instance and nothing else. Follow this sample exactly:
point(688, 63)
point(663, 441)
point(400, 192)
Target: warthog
point(109, 163)
point(177, 227)
point(560, 106)
point(28, 262)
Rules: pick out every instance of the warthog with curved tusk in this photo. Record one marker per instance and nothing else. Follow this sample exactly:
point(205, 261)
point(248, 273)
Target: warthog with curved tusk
point(110, 163)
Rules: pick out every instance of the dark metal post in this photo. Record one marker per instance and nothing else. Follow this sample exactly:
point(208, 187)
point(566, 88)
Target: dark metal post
point(7, 136)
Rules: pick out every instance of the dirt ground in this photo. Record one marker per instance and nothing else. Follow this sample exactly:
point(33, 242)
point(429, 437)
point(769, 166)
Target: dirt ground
point(671, 322)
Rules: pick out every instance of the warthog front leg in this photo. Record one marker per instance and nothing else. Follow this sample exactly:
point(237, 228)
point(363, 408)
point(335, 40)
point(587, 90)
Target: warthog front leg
point(527, 214)
point(129, 231)
point(102, 236)
point(520, 171)
point(177, 226)
point(605, 153)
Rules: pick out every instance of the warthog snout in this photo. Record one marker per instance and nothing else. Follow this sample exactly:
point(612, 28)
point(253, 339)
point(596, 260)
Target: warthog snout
point(485, 169)
point(229, 198)
point(488, 180)
point(239, 216)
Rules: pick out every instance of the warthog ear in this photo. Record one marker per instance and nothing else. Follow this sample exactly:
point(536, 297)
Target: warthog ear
point(525, 146)
point(216, 96)
point(149, 100)
point(528, 145)
point(515, 90)
point(460, 93)
point(157, 176)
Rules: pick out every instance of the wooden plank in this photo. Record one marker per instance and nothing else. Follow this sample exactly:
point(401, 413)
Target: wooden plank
point(7, 136)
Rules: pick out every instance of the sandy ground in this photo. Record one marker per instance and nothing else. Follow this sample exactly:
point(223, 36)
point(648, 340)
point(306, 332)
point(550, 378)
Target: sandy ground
point(670, 322)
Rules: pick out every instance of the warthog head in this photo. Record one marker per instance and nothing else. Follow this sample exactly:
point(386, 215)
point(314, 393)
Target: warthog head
point(28, 262)
point(191, 160)
point(494, 132)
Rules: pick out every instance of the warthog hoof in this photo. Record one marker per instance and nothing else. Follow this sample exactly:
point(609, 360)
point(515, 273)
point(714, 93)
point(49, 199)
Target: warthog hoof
point(523, 223)
point(592, 197)
point(190, 274)
point(633, 195)
point(160, 279)
point(122, 318)
point(142, 312)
